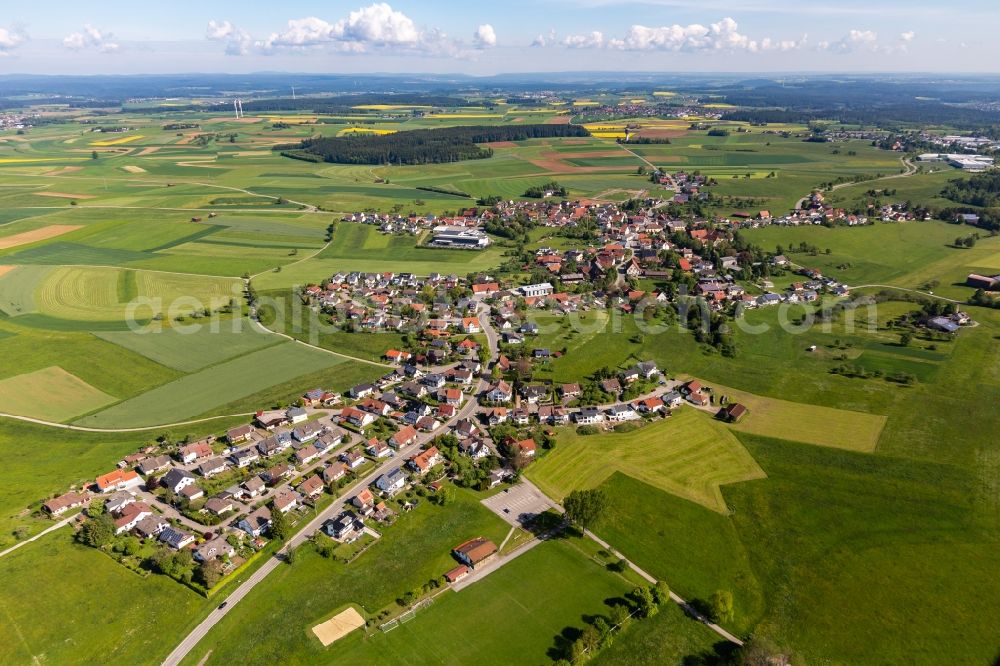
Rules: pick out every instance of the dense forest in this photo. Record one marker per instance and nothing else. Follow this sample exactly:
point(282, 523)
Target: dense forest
point(982, 189)
point(928, 113)
point(429, 146)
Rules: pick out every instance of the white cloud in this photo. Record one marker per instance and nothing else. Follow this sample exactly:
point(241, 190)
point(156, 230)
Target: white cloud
point(544, 40)
point(218, 30)
point(484, 37)
point(92, 39)
point(768, 44)
point(907, 36)
point(594, 40)
point(238, 41)
point(721, 36)
point(377, 25)
point(10, 39)
point(862, 41)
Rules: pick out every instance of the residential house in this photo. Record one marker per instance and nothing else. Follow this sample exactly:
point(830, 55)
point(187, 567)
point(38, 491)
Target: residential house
point(199, 450)
point(378, 449)
point(619, 413)
point(426, 459)
point(364, 500)
point(308, 431)
point(589, 416)
point(60, 505)
point(150, 526)
point(286, 500)
point(499, 392)
point(218, 506)
point(403, 437)
point(119, 479)
point(175, 538)
point(215, 548)
point(334, 472)
point(212, 466)
point(357, 417)
point(346, 527)
point(148, 466)
point(296, 415)
point(239, 434)
point(253, 486)
point(306, 455)
point(243, 458)
point(256, 523)
point(311, 487)
point(391, 482)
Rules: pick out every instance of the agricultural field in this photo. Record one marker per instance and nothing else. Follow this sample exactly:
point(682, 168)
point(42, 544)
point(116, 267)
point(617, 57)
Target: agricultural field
point(688, 455)
point(50, 393)
point(203, 391)
point(905, 255)
point(197, 346)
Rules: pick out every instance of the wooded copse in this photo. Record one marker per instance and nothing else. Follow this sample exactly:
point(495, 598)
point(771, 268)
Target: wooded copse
point(429, 146)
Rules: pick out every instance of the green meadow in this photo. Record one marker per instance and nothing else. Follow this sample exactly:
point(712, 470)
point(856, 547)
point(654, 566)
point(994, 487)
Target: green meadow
point(688, 455)
point(203, 391)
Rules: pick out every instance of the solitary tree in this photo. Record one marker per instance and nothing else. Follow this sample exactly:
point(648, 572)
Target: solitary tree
point(584, 507)
point(279, 525)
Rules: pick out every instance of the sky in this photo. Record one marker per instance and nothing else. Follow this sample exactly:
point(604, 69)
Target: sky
point(510, 36)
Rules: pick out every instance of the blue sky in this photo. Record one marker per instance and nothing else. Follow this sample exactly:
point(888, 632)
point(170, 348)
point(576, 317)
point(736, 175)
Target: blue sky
point(445, 36)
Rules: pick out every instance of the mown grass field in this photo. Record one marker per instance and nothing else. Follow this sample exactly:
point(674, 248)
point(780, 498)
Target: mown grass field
point(191, 347)
point(688, 455)
point(202, 391)
point(530, 602)
point(697, 551)
point(51, 394)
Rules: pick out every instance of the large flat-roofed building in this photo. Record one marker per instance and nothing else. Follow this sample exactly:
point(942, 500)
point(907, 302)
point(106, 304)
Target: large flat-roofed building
point(462, 237)
point(530, 290)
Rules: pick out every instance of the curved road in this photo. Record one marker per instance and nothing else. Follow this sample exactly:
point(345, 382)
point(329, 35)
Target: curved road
point(910, 170)
point(66, 426)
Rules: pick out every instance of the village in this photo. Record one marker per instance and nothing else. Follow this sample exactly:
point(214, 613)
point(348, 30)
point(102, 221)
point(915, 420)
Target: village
point(344, 467)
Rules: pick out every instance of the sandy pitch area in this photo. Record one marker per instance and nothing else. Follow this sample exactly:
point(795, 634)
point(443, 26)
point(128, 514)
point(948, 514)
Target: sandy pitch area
point(338, 626)
point(134, 169)
point(36, 235)
point(6, 269)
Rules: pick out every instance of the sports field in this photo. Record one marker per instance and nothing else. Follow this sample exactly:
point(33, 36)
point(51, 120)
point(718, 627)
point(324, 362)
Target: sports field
point(338, 626)
point(217, 385)
point(688, 455)
point(529, 601)
point(51, 394)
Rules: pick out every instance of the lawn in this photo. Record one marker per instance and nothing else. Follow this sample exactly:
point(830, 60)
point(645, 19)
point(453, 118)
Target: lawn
point(51, 394)
point(669, 637)
point(812, 424)
point(695, 550)
point(689, 455)
point(516, 614)
point(65, 603)
point(202, 391)
point(867, 559)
